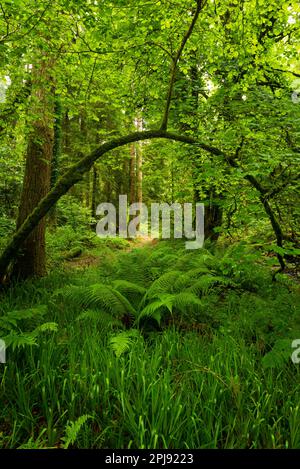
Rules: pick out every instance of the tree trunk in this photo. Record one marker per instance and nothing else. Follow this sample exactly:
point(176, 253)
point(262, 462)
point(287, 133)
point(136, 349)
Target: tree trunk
point(57, 152)
point(132, 174)
point(57, 144)
point(32, 260)
point(213, 216)
point(66, 134)
point(139, 167)
point(94, 196)
point(139, 164)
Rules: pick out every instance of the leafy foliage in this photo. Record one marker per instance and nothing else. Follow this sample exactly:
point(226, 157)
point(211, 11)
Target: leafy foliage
point(73, 429)
point(123, 341)
point(11, 327)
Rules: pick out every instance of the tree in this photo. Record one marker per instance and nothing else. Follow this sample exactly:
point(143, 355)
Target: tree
point(32, 259)
point(126, 54)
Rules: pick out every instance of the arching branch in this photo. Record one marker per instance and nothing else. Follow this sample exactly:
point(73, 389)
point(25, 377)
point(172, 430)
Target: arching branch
point(73, 175)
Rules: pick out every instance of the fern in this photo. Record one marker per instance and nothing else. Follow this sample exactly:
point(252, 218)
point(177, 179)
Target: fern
point(12, 317)
point(185, 300)
point(132, 291)
point(102, 318)
point(153, 310)
point(13, 323)
point(72, 430)
point(208, 281)
point(279, 356)
point(123, 286)
point(99, 296)
point(19, 340)
point(123, 341)
point(167, 283)
point(45, 327)
point(170, 303)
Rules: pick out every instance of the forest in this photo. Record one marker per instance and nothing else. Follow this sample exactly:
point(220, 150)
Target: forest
point(144, 341)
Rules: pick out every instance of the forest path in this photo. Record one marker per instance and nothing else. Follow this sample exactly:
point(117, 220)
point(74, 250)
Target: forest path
point(90, 259)
point(141, 242)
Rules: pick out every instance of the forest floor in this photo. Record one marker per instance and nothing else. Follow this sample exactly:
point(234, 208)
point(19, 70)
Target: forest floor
point(146, 345)
point(86, 260)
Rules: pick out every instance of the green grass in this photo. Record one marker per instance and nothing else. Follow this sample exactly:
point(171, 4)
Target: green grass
point(201, 380)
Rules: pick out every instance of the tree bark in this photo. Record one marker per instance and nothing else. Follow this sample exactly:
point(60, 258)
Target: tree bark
point(213, 217)
point(31, 261)
point(94, 195)
point(132, 174)
point(139, 164)
point(263, 197)
point(139, 167)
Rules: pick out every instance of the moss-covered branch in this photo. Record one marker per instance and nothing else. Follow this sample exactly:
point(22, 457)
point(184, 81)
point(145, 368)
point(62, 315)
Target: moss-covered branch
point(75, 174)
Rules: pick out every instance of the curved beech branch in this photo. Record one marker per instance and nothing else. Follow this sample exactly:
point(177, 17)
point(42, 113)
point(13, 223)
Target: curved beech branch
point(271, 215)
point(73, 175)
point(264, 197)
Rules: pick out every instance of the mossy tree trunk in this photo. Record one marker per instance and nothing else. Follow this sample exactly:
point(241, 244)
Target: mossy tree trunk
point(132, 175)
point(31, 261)
point(94, 195)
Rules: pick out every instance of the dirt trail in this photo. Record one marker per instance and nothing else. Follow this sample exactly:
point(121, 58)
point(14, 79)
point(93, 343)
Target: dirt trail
point(87, 260)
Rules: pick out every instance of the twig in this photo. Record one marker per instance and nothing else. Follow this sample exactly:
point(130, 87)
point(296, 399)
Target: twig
point(175, 60)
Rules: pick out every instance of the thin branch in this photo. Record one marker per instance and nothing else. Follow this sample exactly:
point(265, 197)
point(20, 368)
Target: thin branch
point(87, 93)
point(90, 50)
point(3, 38)
point(5, 19)
point(37, 22)
point(280, 188)
point(152, 43)
point(284, 71)
point(200, 6)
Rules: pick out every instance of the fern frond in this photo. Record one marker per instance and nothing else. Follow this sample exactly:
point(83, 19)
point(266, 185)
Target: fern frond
point(197, 272)
point(99, 295)
point(109, 299)
point(122, 342)
point(12, 317)
point(45, 327)
point(185, 300)
point(164, 284)
point(163, 303)
point(72, 294)
point(72, 430)
point(104, 319)
point(204, 283)
point(19, 340)
point(180, 302)
point(123, 286)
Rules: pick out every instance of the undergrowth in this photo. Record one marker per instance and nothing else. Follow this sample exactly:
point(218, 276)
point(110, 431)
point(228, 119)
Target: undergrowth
point(158, 347)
